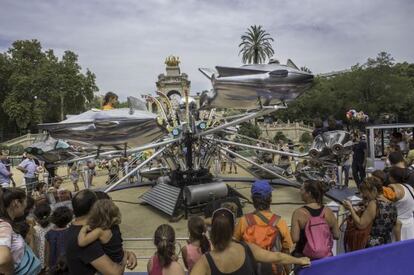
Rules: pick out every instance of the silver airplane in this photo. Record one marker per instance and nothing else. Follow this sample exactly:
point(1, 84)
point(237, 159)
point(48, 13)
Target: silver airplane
point(250, 86)
point(111, 127)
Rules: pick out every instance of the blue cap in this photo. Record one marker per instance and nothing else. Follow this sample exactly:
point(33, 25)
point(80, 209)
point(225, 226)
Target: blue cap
point(261, 188)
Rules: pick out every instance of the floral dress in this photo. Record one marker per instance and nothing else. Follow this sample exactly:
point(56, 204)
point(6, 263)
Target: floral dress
point(40, 240)
point(383, 224)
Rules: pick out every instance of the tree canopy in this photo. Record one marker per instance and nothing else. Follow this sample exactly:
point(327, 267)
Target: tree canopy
point(380, 86)
point(36, 86)
point(256, 45)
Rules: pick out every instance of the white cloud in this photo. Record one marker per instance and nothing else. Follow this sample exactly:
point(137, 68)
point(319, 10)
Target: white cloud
point(125, 42)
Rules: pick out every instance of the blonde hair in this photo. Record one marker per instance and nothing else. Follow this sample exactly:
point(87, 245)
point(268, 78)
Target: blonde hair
point(104, 214)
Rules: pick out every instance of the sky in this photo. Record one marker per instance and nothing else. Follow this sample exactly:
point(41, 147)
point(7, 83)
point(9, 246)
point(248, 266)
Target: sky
point(125, 42)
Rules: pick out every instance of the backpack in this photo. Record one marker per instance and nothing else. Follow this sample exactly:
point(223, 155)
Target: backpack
point(319, 237)
point(267, 237)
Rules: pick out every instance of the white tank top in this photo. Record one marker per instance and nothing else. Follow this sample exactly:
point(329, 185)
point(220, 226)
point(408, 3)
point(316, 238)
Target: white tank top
point(405, 206)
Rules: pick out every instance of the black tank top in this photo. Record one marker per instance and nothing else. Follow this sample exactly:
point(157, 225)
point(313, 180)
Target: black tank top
point(248, 267)
point(300, 245)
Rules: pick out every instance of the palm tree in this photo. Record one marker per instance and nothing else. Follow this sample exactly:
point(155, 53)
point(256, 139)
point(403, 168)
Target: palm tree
point(255, 45)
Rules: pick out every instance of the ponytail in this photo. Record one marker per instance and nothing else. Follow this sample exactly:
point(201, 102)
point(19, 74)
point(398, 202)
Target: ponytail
point(164, 240)
point(42, 213)
point(205, 244)
point(197, 230)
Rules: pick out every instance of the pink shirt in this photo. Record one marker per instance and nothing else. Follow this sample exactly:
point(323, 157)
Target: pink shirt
point(193, 255)
point(12, 240)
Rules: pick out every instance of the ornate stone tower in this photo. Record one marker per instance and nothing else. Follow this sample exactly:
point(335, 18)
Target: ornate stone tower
point(174, 83)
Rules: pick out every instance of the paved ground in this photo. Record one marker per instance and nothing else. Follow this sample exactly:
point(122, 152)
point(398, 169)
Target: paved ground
point(140, 221)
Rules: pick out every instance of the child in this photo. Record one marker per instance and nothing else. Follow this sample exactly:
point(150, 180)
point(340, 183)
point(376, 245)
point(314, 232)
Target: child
point(59, 194)
point(164, 262)
point(41, 213)
point(39, 195)
point(103, 225)
point(198, 243)
point(55, 241)
point(74, 177)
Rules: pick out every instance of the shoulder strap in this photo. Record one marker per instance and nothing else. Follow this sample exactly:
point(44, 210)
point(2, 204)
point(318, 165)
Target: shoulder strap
point(322, 214)
point(262, 217)
point(213, 267)
point(274, 220)
point(250, 219)
point(408, 190)
point(249, 257)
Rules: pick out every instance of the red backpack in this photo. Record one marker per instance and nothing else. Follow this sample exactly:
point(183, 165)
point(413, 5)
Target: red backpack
point(319, 237)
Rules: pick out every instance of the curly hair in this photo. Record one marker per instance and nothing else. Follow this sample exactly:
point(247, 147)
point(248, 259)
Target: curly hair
point(261, 203)
point(104, 214)
point(62, 216)
point(164, 240)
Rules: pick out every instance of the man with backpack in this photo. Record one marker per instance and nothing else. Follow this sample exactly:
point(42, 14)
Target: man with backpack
point(264, 228)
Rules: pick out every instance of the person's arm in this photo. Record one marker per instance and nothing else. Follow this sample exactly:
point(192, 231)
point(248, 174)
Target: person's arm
point(333, 223)
point(265, 256)
point(397, 230)
point(131, 259)
point(184, 253)
point(85, 238)
point(287, 242)
point(47, 252)
point(21, 169)
point(4, 171)
point(367, 217)
point(6, 261)
point(295, 227)
point(239, 229)
point(22, 166)
point(106, 266)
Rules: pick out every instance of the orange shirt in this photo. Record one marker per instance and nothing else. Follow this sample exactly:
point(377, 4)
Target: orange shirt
point(388, 193)
point(286, 239)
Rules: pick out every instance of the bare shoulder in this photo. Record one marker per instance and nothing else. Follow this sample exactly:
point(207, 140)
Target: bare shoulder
point(176, 269)
point(299, 213)
point(201, 267)
point(328, 211)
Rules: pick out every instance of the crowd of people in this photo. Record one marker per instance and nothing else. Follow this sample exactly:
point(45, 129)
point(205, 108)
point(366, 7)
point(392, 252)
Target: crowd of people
point(85, 238)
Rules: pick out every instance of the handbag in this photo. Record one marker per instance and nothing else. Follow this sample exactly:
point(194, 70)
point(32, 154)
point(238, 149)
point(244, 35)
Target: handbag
point(29, 264)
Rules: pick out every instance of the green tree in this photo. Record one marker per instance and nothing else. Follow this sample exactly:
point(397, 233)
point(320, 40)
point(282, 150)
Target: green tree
point(305, 138)
point(279, 136)
point(249, 129)
point(35, 86)
point(376, 87)
point(256, 45)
